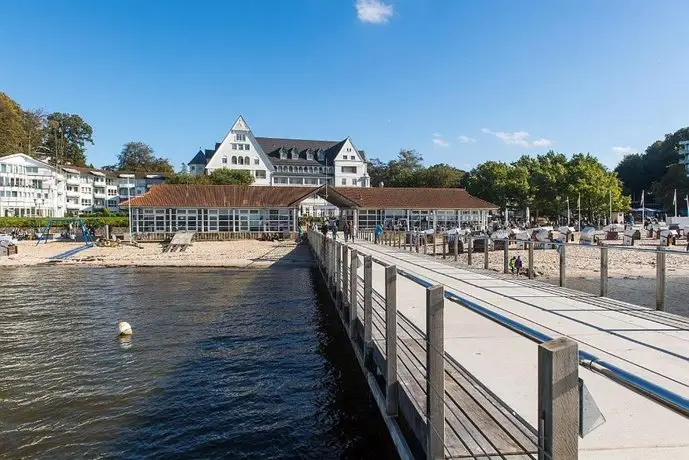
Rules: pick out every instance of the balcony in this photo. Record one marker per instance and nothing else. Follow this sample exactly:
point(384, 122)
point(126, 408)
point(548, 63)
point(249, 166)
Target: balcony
point(72, 205)
point(99, 193)
point(73, 181)
point(72, 193)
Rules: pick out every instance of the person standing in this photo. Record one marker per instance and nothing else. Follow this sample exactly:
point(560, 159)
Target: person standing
point(518, 264)
point(346, 231)
point(378, 232)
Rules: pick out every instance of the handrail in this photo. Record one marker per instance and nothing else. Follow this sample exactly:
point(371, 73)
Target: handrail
point(587, 360)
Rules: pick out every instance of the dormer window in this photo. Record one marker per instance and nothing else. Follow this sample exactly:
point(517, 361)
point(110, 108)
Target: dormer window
point(319, 152)
point(295, 154)
point(283, 154)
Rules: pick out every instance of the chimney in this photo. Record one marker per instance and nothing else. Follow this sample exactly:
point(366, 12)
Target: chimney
point(380, 184)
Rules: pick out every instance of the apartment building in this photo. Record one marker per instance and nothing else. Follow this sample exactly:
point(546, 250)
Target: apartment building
point(30, 188)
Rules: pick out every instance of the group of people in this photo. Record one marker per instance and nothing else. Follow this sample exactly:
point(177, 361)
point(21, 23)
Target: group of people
point(516, 264)
point(333, 225)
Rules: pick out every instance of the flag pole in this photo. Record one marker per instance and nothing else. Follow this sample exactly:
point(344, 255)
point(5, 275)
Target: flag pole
point(579, 206)
point(610, 220)
point(643, 208)
point(675, 201)
point(568, 218)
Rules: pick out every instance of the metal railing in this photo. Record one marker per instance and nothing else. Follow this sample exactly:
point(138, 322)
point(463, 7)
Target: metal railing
point(449, 412)
point(450, 246)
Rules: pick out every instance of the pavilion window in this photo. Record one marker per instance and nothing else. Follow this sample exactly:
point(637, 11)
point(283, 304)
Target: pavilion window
point(159, 220)
point(213, 220)
point(234, 160)
point(224, 219)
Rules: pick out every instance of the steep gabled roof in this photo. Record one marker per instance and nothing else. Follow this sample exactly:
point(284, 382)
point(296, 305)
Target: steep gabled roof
point(200, 158)
point(272, 144)
point(221, 196)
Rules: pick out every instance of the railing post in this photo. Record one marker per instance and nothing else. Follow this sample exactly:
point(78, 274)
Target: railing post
point(336, 264)
point(603, 271)
point(506, 257)
point(391, 389)
point(456, 247)
point(444, 245)
point(558, 400)
point(425, 243)
point(660, 280)
point(368, 308)
point(343, 276)
point(563, 266)
point(486, 241)
point(435, 368)
point(416, 241)
point(353, 294)
point(532, 275)
point(434, 248)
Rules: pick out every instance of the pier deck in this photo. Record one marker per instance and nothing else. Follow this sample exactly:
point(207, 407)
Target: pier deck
point(650, 344)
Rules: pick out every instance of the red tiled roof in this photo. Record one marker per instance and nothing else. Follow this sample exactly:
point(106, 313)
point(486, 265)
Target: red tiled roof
point(220, 196)
point(405, 198)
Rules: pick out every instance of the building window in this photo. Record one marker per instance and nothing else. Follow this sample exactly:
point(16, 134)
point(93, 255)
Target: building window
point(349, 149)
point(234, 146)
point(260, 174)
point(256, 161)
point(344, 181)
point(247, 161)
point(240, 137)
point(283, 155)
point(234, 160)
point(241, 160)
point(246, 146)
point(349, 169)
point(224, 160)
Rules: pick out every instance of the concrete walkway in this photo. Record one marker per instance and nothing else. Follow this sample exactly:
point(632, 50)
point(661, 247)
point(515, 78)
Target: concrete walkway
point(652, 345)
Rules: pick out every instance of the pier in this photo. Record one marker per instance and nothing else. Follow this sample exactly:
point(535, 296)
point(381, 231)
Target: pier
point(489, 366)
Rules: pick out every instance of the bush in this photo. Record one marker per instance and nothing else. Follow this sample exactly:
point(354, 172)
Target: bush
point(40, 222)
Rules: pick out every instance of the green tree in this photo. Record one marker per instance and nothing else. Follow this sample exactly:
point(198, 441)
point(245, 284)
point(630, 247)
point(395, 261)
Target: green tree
point(138, 156)
point(10, 125)
point(33, 131)
point(588, 178)
point(66, 137)
point(225, 176)
point(639, 172)
point(186, 178)
point(675, 178)
point(500, 183)
point(438, 176)
point(377, 171)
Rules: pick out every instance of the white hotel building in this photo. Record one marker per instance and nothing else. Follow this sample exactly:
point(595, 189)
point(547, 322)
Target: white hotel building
point(32, 188)
point(683, 152)
point(287, 162)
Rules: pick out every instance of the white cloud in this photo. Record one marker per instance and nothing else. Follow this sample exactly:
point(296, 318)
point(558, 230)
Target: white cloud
point(622, 151)
point(542, 142)
point(520, 138)
point(438, 141)
point(373, 11)
point(465, 139)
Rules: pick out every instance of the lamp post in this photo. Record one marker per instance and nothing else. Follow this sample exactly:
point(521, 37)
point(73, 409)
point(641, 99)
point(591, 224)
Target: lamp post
point(129, 202)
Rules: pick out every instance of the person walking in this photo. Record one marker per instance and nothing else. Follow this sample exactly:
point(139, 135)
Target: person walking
point(518, 264)
point(350, 230)
point(512, 263)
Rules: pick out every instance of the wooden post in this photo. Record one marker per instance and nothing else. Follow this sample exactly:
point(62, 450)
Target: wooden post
point(532, 275)
point(416, 241)
point(558, 400)
point(435, 368)
point(470, 249)
point(660, 280)
point(353, 295)
point(368, 308)
point(563, 266)
point(391, 395)
point(434, 243)
point(456, 247)
point(444, 245)
point(506, 257)
point(603, 271)
point(425, 243)
point(485, 253)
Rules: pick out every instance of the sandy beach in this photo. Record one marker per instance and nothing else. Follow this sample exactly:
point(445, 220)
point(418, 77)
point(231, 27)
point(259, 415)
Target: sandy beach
point(239, 254)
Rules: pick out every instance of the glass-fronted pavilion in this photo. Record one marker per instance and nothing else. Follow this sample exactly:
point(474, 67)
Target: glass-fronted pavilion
point(410, 208)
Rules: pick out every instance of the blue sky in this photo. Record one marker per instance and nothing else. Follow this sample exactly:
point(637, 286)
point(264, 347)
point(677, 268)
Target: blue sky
point(462, 82)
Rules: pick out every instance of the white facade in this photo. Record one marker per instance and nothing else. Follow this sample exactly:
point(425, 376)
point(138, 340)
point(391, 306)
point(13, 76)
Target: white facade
point(287, 162)
point(683, 152)
point(30, 188)
point(89, 190)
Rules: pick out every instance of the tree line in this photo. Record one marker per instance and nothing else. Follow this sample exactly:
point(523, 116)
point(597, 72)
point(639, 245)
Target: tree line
point(657, 172)
point(543, 183)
